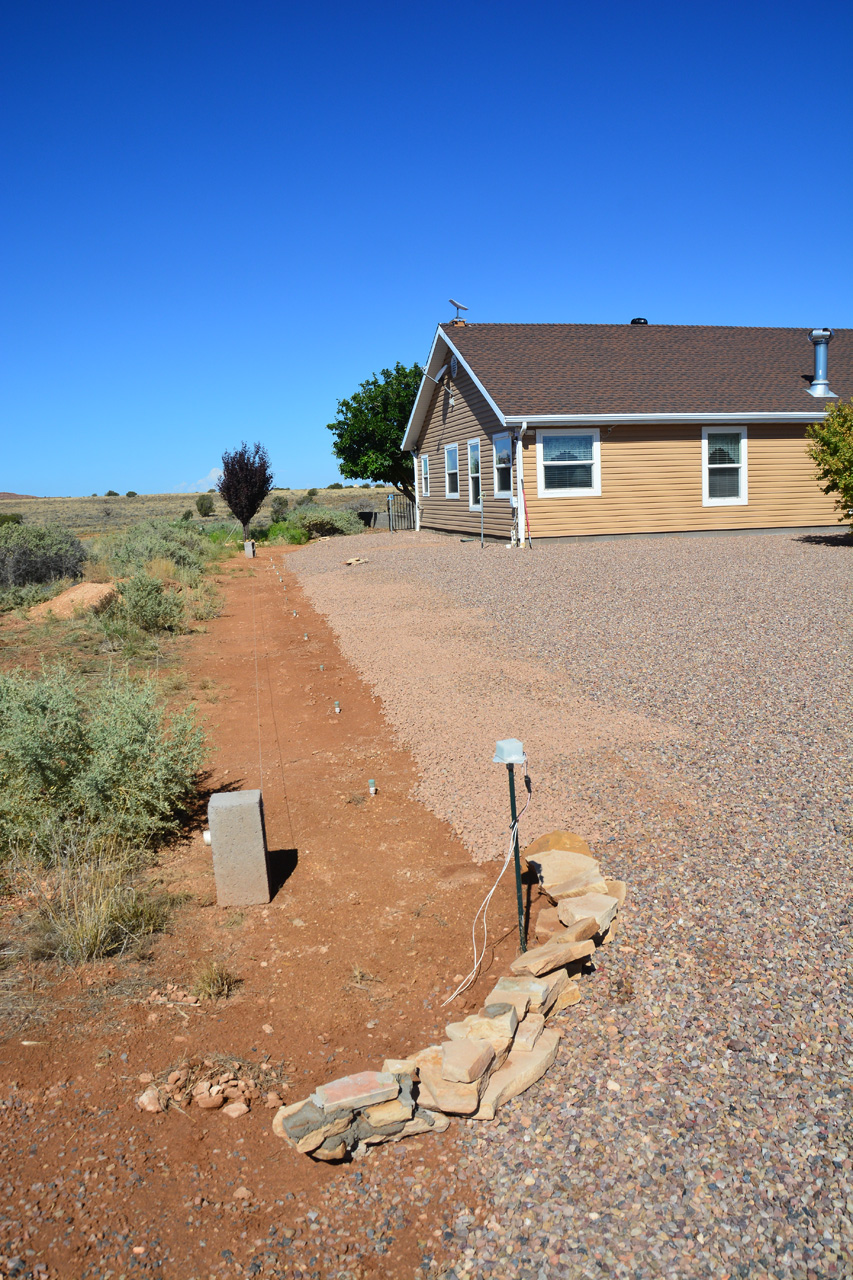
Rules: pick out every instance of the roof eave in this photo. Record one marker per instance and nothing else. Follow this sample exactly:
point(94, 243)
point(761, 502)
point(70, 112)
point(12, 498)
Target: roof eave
point(424, 396)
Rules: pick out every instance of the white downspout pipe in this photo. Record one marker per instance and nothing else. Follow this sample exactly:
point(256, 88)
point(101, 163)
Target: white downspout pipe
point(417, 494)
point(519, 484)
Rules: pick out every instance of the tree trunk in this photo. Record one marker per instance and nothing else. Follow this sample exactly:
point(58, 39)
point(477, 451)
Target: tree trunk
point(245, 533)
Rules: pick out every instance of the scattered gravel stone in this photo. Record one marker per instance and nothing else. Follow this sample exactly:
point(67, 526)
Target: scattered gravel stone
point(685, 706)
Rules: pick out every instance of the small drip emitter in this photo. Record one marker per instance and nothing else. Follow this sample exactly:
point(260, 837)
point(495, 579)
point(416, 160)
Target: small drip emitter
point(337, 708)
point(371, 786)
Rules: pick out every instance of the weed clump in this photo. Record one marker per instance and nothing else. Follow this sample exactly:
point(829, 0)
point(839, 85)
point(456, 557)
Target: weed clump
point(38, 553)
point(88, 909)
point(214, 982)
point(104, 757)
point(324, 522)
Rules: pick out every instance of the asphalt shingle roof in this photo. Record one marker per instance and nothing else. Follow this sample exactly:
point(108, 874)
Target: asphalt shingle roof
point(654, 368)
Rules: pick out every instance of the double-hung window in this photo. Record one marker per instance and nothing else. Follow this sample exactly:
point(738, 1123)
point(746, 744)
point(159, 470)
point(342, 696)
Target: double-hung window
point(424, 476)
point(474, 495)
point(451, 471)
point(723, 468)
point(503, 466)
point(568, 462)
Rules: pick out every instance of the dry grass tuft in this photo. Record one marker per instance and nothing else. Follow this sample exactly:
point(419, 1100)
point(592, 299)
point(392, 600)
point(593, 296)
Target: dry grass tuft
point(214, 982)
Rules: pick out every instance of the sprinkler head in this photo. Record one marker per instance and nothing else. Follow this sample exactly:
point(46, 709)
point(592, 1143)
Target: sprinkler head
point(322, 667)
point(337, 708)
point(371, 786)
point(305, 637)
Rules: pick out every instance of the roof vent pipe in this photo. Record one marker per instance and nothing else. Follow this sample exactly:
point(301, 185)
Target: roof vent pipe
point(821, 339)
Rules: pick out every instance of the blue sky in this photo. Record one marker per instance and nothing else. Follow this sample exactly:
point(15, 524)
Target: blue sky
point(218, 219)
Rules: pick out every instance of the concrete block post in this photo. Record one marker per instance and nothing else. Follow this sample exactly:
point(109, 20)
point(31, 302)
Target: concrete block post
point(239, 844)
point(249, 548)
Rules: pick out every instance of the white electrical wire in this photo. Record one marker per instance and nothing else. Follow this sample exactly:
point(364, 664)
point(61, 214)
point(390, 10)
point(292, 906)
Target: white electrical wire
point(484, 906)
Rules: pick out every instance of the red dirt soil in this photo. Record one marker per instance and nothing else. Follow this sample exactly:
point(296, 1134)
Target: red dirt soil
point(367, 935)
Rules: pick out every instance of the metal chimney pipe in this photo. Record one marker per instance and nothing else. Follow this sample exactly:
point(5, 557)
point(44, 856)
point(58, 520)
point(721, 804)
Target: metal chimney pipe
point(820, 339)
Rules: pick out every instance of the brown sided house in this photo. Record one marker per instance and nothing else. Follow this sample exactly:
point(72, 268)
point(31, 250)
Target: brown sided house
point(602, 429)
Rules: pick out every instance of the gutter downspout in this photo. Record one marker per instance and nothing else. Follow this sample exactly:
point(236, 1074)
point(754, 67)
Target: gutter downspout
point(523, 528)
point(417, 493)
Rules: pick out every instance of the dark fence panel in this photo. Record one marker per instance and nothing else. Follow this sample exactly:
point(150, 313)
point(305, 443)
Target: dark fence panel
point(401, 512)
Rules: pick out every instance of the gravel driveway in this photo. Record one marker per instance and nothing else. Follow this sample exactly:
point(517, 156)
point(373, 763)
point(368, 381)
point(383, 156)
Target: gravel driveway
point(685, 705)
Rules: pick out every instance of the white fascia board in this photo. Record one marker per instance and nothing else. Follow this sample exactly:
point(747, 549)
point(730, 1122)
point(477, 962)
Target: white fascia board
point(596, 419)
point(413, 428)
point(419, 408)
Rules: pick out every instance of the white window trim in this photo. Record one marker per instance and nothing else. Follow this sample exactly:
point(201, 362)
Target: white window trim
point(424, 475)
point(475, 506)
point(725, 429)
point(595, 491)
point(501, 497)
point(447, 494)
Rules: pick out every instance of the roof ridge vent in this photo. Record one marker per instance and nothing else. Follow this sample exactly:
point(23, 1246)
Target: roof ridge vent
point(820, 339)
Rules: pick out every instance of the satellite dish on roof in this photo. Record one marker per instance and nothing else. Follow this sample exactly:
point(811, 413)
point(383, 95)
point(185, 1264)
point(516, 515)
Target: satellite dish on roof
point(458, 305)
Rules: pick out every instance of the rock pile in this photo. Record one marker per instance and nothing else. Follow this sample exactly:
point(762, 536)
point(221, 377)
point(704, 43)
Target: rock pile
point(209, 1087)
point(488, 1057)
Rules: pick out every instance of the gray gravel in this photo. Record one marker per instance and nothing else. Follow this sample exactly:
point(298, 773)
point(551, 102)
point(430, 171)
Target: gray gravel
point(685, 703)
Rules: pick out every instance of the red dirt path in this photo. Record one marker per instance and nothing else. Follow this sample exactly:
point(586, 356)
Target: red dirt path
point(348, 964)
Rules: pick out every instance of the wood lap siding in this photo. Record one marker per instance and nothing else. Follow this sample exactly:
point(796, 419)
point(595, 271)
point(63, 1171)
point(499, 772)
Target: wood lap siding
point(651, 482)
point(471, 418)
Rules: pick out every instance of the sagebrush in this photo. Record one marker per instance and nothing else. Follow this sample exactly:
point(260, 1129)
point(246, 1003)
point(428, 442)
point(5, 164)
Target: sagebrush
point(107, 756)
point(149, 605)
point(32, 553)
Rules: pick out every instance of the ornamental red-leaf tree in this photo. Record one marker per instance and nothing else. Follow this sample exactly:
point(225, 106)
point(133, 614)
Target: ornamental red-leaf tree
point(245, 482)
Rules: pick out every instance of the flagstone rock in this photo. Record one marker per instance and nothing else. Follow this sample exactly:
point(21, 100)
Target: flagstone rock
point(535, 989)
point(565, 840)
point(521, 1069)
point(529, 1031)
point(496, 1027)
point(552, 955)
point(601, 906)
point(466, 1060)
point(547, 922)
point(395, 1111)
point(564, 874)
point(570, 995)
point(352, 1092)
point(437, 1094)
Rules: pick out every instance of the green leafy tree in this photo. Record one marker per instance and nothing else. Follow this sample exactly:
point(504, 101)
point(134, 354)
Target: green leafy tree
point(831, 449)
point(370, 426)
point(204, 504)
point(245, 481)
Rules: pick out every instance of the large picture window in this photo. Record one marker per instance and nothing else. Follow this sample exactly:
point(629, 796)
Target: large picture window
point(451, 471)
point(503, 466)
point(723, 468)
point(424, 476)
point(568, 463)
point(474, 493)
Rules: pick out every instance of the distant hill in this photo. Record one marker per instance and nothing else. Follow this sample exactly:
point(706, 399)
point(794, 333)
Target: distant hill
point(17, 495)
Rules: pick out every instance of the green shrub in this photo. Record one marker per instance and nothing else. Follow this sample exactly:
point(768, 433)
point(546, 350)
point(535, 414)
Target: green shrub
point(149, 605)
point(11, 517)
point(287, 531)
point(187, 515)
point(131, 550)
point(259, 532)
point(106, 757)
point(38, 553)
point(26, 597)
point(327, 521)
point(278, 508)
point(337, 485)
point(204, 504)
point(110, 493)
point(312, 493)
point(131, 493)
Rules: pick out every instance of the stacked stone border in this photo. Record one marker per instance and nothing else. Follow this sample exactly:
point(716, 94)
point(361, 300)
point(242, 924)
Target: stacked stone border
point(488, 1057)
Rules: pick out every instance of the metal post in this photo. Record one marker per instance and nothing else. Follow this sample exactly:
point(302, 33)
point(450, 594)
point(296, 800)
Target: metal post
point(521, 938)
point(481, 515)
point(390, 514)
